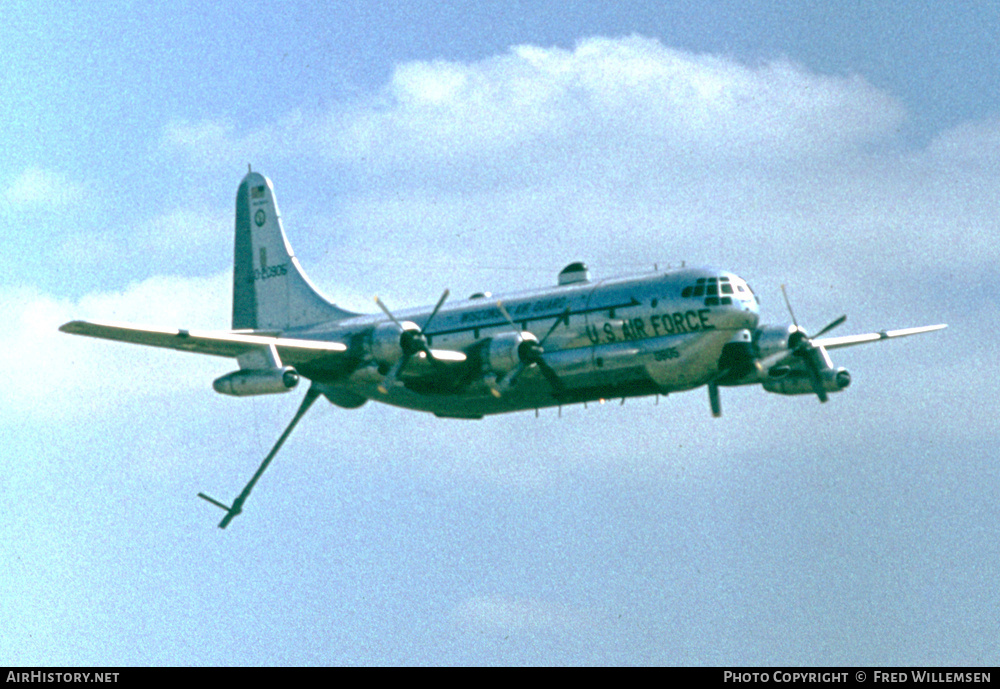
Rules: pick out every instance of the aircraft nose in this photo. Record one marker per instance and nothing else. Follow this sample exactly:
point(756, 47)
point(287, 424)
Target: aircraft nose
point(744, 300)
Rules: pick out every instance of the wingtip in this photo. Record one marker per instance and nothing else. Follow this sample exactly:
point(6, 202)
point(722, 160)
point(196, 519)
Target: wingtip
point(71, 327)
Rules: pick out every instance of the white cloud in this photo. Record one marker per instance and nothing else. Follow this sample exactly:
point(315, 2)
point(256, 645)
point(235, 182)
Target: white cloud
point(199, 302)
point(970, 142)
point(622, 97)
point(49, 374)
point(212, 143)
point(217, 142)
point(186, 233)
point(38, 187)
point(668, 99)
point(185, 240)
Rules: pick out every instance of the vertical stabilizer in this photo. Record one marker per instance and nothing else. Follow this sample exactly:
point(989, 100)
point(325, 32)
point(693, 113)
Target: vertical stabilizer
point(270, 290)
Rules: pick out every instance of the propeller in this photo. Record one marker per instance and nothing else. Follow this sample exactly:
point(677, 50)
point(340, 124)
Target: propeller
point(812, 356)
point(237, 507)
point(412, 342)
point(531, 352)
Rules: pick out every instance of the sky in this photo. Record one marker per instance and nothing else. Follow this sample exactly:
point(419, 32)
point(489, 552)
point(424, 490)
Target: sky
point(848, 150)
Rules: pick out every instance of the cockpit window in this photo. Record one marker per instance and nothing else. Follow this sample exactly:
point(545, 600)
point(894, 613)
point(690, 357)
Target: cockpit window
point(715, 290)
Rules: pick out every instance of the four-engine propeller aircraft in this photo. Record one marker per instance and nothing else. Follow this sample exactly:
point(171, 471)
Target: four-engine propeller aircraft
point(579, 341)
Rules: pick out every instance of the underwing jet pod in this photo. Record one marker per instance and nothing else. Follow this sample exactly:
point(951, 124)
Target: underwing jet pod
point(580, 340)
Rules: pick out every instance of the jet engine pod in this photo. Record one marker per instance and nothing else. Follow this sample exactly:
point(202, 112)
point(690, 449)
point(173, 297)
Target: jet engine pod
point(797, 382)
point(257, 381)
point(387, 341)
point(506, 351)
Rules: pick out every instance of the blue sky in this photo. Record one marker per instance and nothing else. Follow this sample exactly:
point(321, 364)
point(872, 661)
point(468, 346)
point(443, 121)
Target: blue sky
point(851, 152)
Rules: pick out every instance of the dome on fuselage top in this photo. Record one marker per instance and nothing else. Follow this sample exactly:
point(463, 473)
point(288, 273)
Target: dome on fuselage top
point(573, 273)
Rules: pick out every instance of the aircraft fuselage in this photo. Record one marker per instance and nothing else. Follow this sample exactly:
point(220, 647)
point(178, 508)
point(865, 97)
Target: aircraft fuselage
point(617, 338)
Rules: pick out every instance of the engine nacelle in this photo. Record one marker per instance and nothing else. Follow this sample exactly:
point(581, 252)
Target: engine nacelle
point(385, 342)
point(504, 351)
point(774, 339)
point(800, 383)
point(257, 381)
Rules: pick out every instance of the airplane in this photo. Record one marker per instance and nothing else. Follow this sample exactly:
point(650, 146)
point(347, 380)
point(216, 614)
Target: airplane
point(578, 341)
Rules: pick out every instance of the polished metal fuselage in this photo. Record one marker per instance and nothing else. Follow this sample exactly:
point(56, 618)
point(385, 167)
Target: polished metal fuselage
point(620, 337)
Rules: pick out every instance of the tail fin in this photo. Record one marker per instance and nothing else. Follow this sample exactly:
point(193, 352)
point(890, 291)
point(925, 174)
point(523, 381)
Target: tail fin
point(270, 290)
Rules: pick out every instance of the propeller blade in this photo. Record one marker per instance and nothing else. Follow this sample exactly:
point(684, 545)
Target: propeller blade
point(503, 312)
point(789, 305)
point(814, 375)
point(509, 379)
point(385, 309)
point(421, 340)
point(564, 316)
point(411, 343)
point(550, 375)
point(435, 311)
point(392, 377)
point(557, 385)
point(311, 395)
point(810, 353)
point(837, 322)
point(533, 355)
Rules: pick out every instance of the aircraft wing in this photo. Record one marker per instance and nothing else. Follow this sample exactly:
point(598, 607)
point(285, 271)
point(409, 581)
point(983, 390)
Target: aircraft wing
point(787, 357)
point(851, 340)
point(227, 343)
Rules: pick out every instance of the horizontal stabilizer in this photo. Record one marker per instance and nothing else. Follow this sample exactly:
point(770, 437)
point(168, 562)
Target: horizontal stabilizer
point(217, 343)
